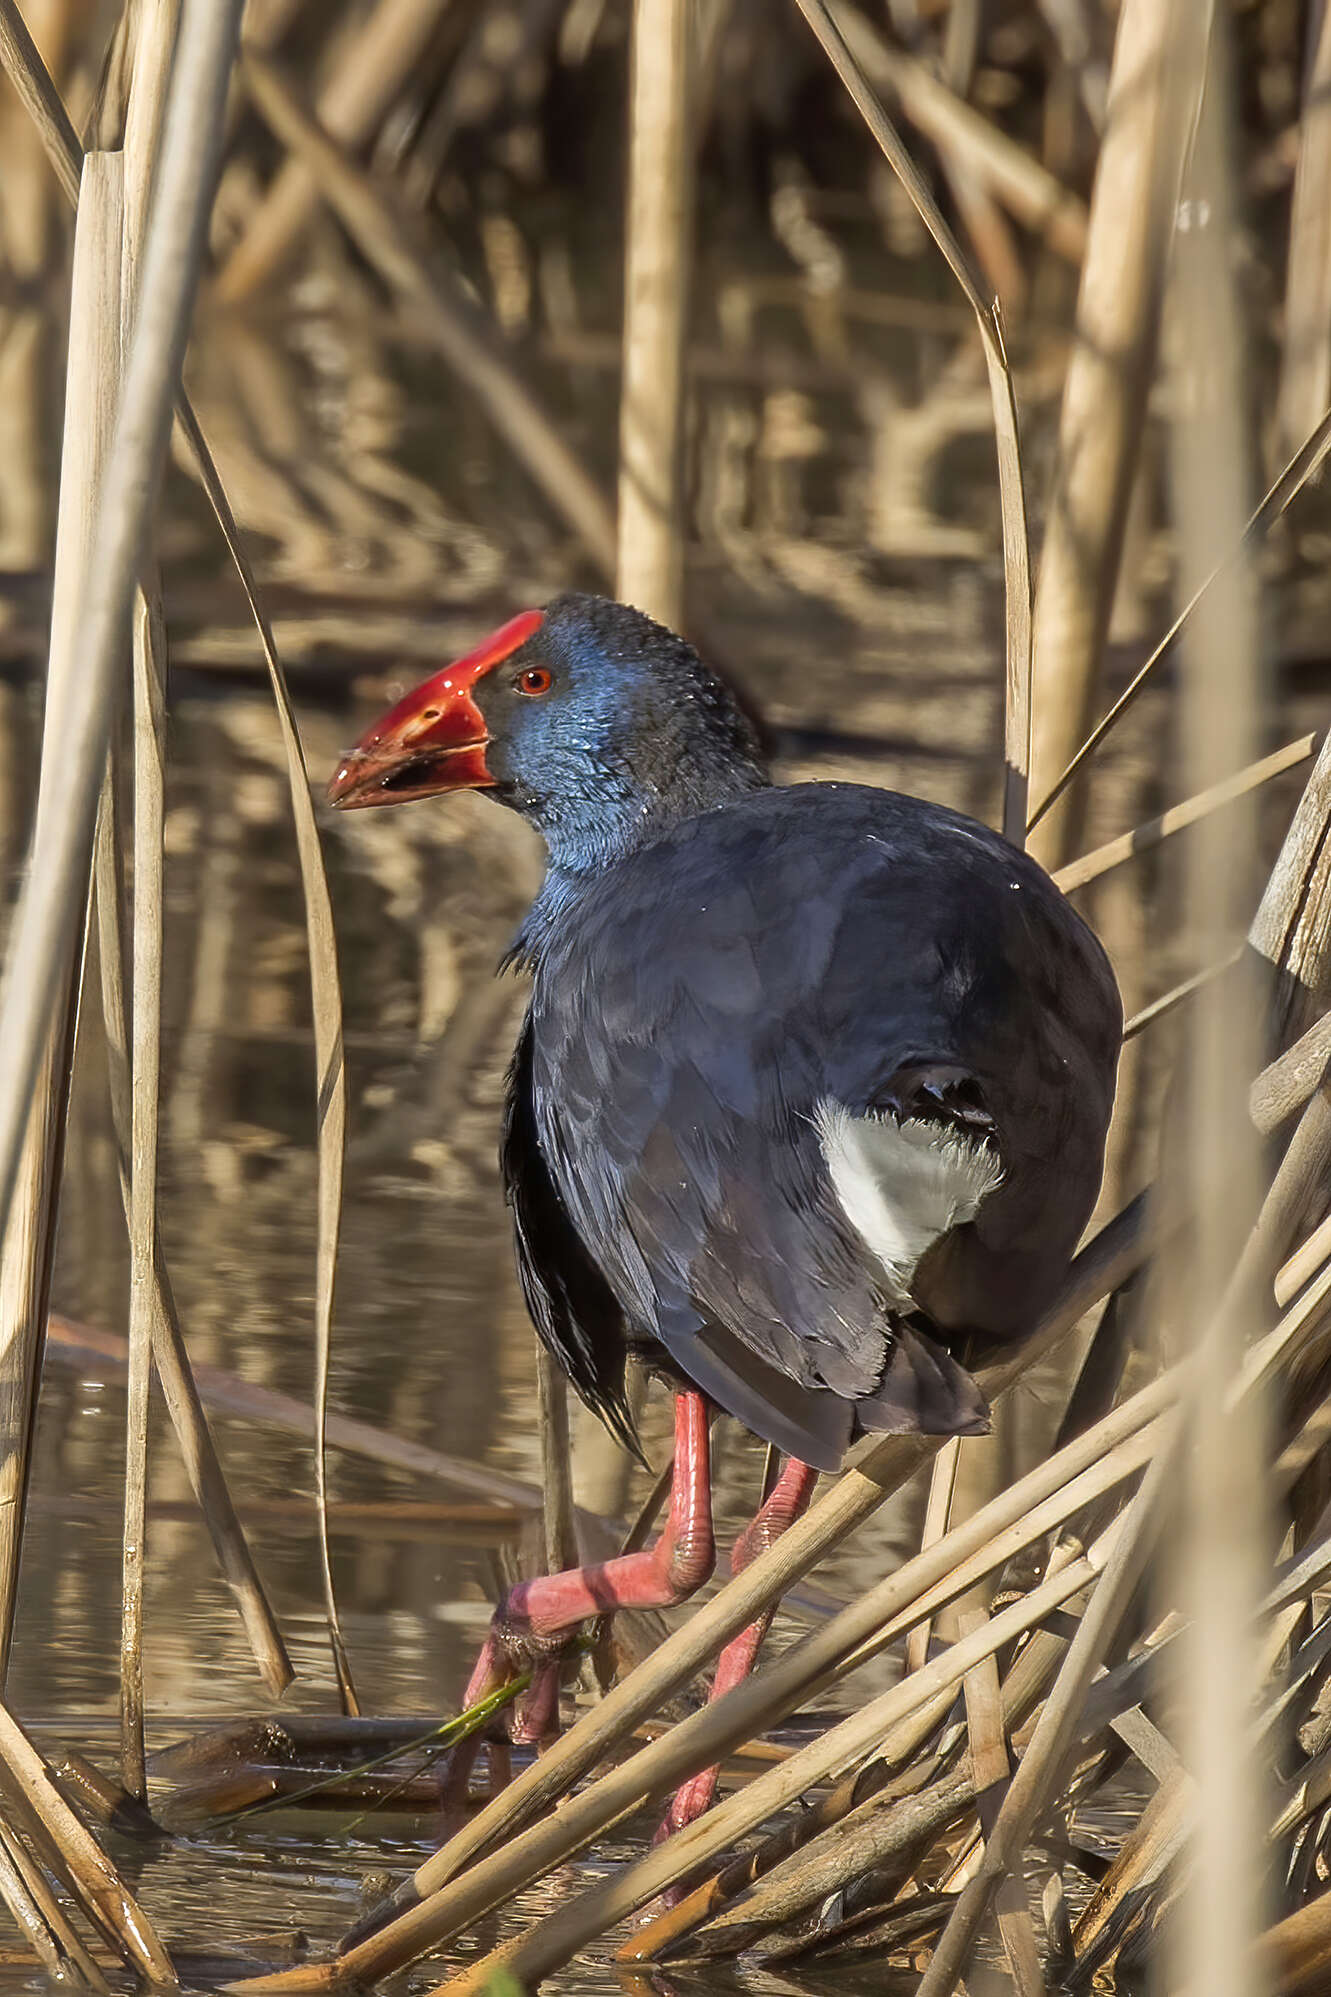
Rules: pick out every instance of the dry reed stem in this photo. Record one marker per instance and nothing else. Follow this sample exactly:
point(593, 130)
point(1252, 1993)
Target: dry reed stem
point(1017, 1516)
point(883, 1467)
point(1151, 1846)
point(649, 570)
point(372, 67)
point(990, 1770)
point(1104, 393)
point(1016, 540)
point(1179, 994)
point(51, 908)
point(1077, 873)
point(25, 1276)
point(95, 1877)
point(1304, 1263)
point(1045, 1758)
point(28, 74)
point(25, 1282)
point(41, 1920)
point(560, 1528)
point(23, 64)
point(1226, 1542)
point(1290, 482)
point(228, 1393)
point(326, 1001)
point(179, 1386)
point(446, 316)
point(991, 239)
point(1293, 1959)
point(998, 164)
point(154, 41)
point(938, 1507)
point(1286, 1083)
point(1290, 929)
point(146, 959)
point(554, 1940)
point(1305, 365)
point(844, 1834)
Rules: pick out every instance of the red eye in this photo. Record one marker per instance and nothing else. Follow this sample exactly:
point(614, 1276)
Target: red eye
point(536, 679)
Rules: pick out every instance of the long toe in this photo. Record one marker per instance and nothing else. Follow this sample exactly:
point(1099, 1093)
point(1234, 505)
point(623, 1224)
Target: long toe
point(535, 1716)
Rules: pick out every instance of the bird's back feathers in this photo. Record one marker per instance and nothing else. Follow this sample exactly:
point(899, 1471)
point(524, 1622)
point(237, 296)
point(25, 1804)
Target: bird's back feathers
point(735, 1049)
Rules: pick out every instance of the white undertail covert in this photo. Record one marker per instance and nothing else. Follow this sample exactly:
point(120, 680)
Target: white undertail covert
point(902, 1185)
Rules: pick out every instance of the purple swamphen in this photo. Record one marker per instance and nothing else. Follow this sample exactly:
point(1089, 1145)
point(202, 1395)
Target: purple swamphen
point(813, 1088)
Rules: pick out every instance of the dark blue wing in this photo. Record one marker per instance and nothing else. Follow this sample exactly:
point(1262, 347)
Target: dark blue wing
point(705, 998)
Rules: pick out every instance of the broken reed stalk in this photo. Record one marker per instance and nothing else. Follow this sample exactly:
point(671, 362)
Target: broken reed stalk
point(1016, 540)
point(1104, 393)
point(28, 1234)
point(373, 65)
point(447, 317)
point(649, 570)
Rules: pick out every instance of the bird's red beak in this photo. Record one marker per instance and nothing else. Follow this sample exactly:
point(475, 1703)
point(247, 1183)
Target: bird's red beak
point(435, 738)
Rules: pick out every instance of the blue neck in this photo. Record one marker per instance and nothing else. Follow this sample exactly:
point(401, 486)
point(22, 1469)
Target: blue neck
point(586, 836)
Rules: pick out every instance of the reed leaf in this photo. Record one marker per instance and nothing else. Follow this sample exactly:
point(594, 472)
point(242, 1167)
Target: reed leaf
point(836, 33)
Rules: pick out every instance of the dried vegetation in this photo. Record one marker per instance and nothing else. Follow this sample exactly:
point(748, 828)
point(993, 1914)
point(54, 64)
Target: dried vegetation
point(1136, 1614)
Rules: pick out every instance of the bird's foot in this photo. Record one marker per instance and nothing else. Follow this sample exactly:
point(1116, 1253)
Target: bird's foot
point(512, 1649)
point(531, 1719)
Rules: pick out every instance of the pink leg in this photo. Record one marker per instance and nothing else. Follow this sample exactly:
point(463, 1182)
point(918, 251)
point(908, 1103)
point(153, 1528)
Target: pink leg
point(788, 1499)
point(537, 1615)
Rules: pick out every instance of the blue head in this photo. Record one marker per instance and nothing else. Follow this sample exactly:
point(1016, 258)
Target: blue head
point(597, 724)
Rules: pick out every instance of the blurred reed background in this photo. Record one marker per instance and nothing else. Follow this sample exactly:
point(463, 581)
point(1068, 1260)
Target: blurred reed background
point(487, 299)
